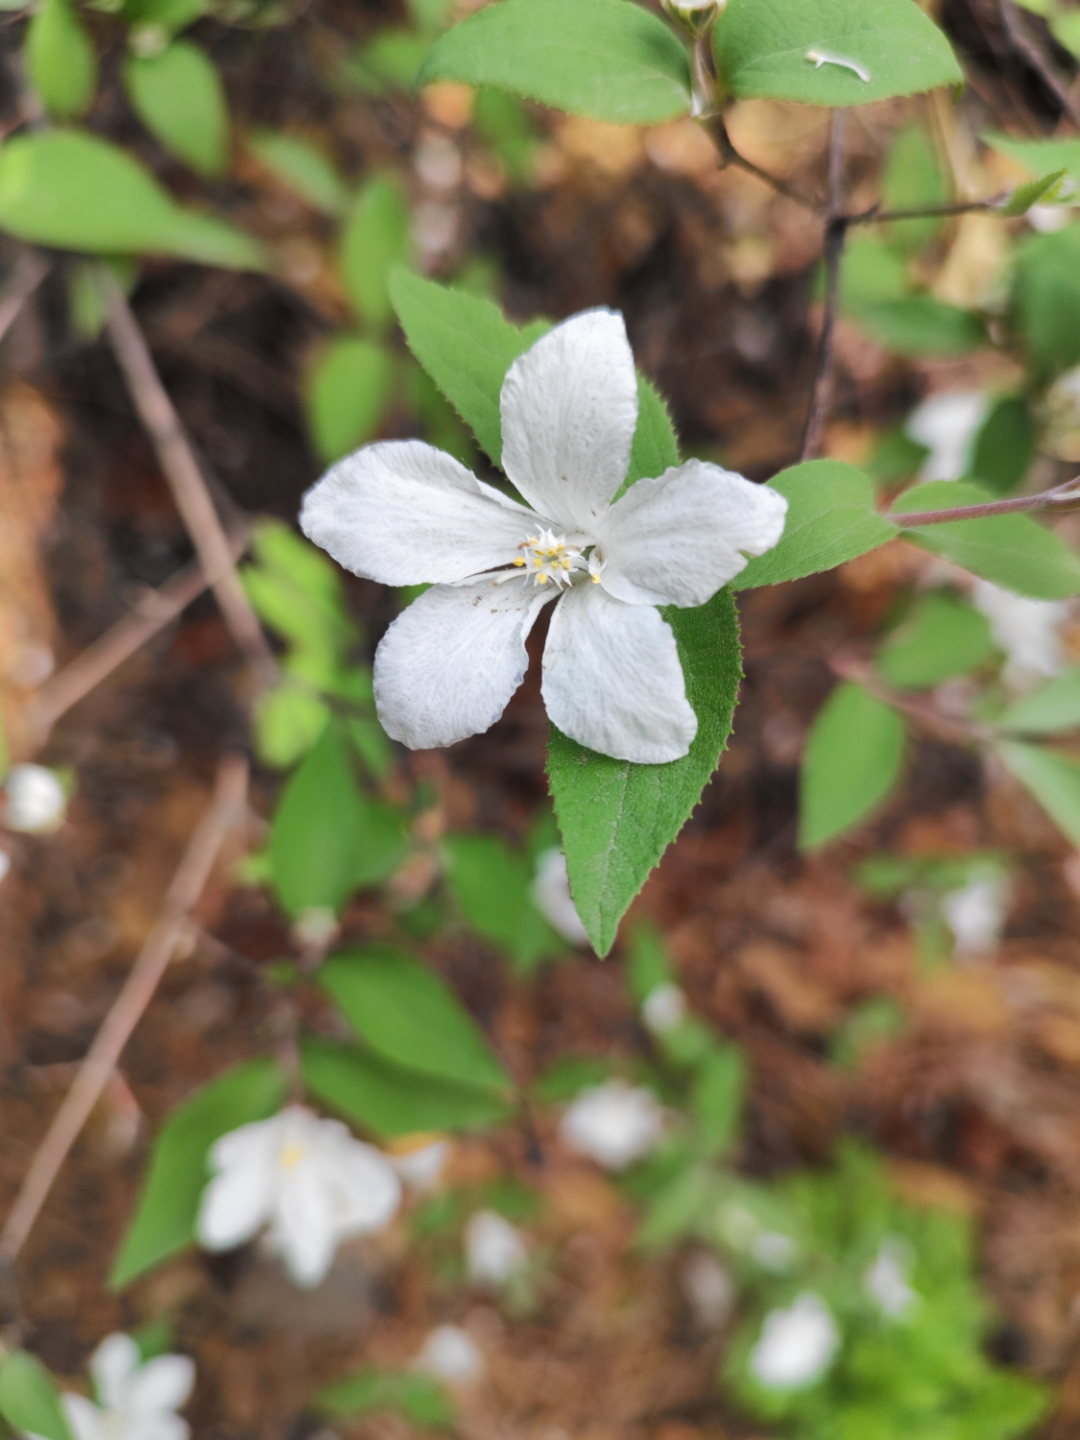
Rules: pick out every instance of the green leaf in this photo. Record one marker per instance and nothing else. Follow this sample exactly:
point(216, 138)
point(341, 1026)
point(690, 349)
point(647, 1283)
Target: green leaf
point(761, 50)
point(1053, 780)
point(164, 1219)
point(418, 1397)
point(1052, 708)
point(1046, 300)
point(655, 448)
point(1013, 551)
point(411, 1017)
point(920, 325)
point(1039, 157)
point(718, 1095)
point(391, 60)
point(1043, 191)
point(347, 391)
point(852, 760)
point(912, 180)
point(504, 123)
point(616, 818)
point(648, 966)
point(941, 637)
point(492, 885)
point(61, 61)
point(374, 240)
point(296, 589)
point(327, 838)
point(607, 59)
point(869, 273)
point(74, 191)
point(389, 1099)
point(179, 97)
point(288, 721)
point(831, 518)
point(466, 345)
point(170, 16)
point(29, 1400)
point(1004, 446)
point(302, 168)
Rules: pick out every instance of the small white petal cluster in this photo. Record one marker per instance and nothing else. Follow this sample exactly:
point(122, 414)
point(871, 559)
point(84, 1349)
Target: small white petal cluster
point(134, 1401)
point(306, 1178)
point(450, 1353)
point(975, 913)
point(403, 513)
point(696, 15)
point(796, 1345)
point(551, 895)
point(422, 1166)
point(664, 1009)
point(35, 799)
point(947, 426)
point(1027, 630)
point(495, 1250)
point(885, 1281)
point(709, 1289)
point(613, 1123)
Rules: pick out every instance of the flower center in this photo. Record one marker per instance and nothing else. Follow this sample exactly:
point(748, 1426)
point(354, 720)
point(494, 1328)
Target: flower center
point(549, 557)
point(291, 1155)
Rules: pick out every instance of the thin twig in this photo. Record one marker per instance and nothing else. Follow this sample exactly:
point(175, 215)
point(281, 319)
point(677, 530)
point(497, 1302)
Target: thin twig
point(1062, 498)
point(875, 216)
point(1022, 41)
point(186, 480)
point(917, 707)
point(730, 156)
point(226, 807)
point(150, 614)
point(27, 274)
point(835, 236)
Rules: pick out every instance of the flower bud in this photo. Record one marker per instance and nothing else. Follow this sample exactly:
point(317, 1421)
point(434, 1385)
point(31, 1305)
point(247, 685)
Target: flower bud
point(697, 16)
point(35, 799)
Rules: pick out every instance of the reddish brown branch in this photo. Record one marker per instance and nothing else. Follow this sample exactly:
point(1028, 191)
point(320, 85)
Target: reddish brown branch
point(27, 274)
point(1062, 498)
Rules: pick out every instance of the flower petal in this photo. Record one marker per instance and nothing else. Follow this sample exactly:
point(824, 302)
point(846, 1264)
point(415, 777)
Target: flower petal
point(239, 1200)
point(613, 681)
point(569, 409)
point(364, 1187)
point(112, 1367)
point(304, 1230)
point(85, 1420)
point(164, 1383)
point(404, 513)
point(448, 665)
point(676, 539)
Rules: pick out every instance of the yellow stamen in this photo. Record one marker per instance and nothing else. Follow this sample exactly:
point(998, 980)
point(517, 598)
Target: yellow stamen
point(291, 1155)
point(519, 562)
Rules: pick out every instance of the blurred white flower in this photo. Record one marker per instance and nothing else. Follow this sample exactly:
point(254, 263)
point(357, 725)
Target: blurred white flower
point(451, 1354)
point(796, 1345)
point(947, 426)
point(308, 1179)
point(975, 913)
point(885, 1281)
point(1027, 630)
point(494, 1249)
point(773, 1250)
point(550, 894)
point(315, 928)
point(613, 1123)
point(709, 1289)
point(35, 799)
point(134, 1401)
point(664, 1009)
point(421, 1165)
point(5, 864)
point(696, 15)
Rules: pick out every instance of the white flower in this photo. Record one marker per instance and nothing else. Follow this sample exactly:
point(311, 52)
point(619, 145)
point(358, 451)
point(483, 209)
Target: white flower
point(403, 513)
point(35, 799)
point(613, 1123)
point(421, 1165)
point(663, 1009)
point(947, 426)
point(709, 1289)
point(885, 1281)
point(134, 1401)
point(5, 864)
point(550, 894)
point(976, 912)
point(696, 15)
point(450, 1354)
point(1026, 629)
point(796, 1345)
point(494, 1249)
point(307, 1178)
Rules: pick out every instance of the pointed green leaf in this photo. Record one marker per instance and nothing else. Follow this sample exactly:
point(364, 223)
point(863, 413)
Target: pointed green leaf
point(921, 325)
point(853, 757)
point(76, 192)
point(179, 97)
point(29, 1400)
point(410, 1016)
point(1039, 157)
point(606, 59)
point(492, 884)
point(942, 637)
point(61, 61)
point(302, 168)
point(1052, 708)
point(1004, 446)
point(1046, 300)
point(346, 396)
point(762, 51)
point(374, 240)
point(1053, 780)
point(912, 180)
point(164, 1219)
point(1013, 551)
point(390, 1099)
point(832, 517)
point(616, 818)
point(1036, 192)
